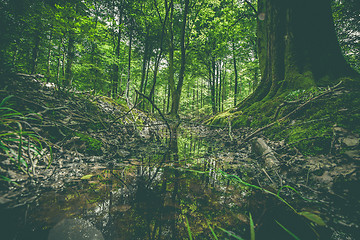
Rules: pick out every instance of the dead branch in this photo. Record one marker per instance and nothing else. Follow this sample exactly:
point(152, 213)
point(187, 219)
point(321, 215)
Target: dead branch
point(154, 105)
point(331, 90)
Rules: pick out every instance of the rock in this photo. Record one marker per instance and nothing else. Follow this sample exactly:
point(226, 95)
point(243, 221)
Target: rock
point(353, 154)
point(260, 148)
point(325, 178)
point(339, 130)
point(75, 229)
point(4, 200)
point(350, 141)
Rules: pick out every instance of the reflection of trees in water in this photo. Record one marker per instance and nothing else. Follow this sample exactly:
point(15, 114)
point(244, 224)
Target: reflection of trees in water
point(150, 197)
point(153, 200)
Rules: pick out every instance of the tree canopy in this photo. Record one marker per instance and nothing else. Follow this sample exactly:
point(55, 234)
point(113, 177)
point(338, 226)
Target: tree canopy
point(190, 57)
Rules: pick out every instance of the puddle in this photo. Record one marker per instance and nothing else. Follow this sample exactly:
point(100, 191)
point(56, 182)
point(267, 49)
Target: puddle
point(172, 194)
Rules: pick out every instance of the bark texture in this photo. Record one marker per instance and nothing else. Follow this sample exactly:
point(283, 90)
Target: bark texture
point(298, 48)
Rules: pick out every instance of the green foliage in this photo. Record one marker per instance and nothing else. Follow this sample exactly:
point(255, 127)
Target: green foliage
point(288, 231)
point(346, 15)
point(313, 217)
point(231, 234)
point(252, 228)
point(188, 228)
point(303, 94)
point(83, 43)
point(23, 147)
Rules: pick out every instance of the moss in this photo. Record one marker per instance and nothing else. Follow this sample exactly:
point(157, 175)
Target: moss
point(221, 118)
point(310, 129)
point(93, 146)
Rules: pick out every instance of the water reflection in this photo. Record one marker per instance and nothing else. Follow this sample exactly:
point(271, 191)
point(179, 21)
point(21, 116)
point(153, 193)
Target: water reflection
point(162, 195)
point(149, 198)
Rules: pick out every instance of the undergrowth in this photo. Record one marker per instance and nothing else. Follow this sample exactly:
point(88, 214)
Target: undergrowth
point(309, 129)
point(18, 143)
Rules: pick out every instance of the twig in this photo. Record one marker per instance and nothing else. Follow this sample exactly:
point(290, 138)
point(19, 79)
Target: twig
point(292, 112)
point(154, 105)
point(267, 175)
point(126, 112)
point(253, 8)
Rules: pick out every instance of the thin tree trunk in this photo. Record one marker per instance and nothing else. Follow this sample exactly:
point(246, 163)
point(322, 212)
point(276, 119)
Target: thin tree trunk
point(115, 68)
point(176, 104)
point(171, 57)
point(129, 68)
point(220, 85)
point(212, 85)
point(48, 69)
point(158, 59)
point(144, 62)
point(35, 53)
point(70, 60)
point(236, 74)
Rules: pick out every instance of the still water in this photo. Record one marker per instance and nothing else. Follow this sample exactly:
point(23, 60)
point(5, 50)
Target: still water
point(175, 193)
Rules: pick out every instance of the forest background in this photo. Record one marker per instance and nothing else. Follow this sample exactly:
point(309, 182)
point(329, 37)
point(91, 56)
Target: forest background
point(196, 58)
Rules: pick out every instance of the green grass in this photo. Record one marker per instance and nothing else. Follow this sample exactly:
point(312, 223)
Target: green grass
point(23, 147)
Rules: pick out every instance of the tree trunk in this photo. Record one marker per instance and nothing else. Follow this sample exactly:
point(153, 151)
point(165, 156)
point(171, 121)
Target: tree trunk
point(297, 48)
point(236, 74)
point(176, 104)
point(144, 63)
point(48, 68)
point(172, 86)
point(115, 67)
point(158, 58)
point(211, 69)
point(35, 53)
point(69, 60)
point(129, 68)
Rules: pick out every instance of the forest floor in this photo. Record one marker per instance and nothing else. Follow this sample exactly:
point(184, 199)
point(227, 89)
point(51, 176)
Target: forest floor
point(66, 134)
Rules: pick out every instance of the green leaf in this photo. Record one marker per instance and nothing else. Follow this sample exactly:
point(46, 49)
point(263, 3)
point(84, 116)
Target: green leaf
point(212, 230)
point(5, 100)
point(231, 234)
point(87, 177)
point(288, 231)
point(188, 228)
point(252, 228)
point(313, 217)
point(3, 178)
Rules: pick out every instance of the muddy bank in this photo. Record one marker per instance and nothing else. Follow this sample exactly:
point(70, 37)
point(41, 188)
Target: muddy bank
point(62, 133)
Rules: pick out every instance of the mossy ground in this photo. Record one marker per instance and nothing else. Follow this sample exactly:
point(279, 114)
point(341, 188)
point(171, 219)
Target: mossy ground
point(93, 146)
point(310, 130)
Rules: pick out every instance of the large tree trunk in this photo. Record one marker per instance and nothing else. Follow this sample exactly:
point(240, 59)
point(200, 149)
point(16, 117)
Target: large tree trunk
point(298, 48)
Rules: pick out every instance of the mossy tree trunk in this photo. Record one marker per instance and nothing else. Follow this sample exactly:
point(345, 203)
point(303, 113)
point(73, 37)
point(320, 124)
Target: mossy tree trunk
point(298, 48)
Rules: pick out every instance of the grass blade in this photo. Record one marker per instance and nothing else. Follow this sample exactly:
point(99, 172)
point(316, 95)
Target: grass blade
point(231, 234)
point(188, 228)
point(252, 228)
point(212, 230)
point(288, 231)
point(5, 100)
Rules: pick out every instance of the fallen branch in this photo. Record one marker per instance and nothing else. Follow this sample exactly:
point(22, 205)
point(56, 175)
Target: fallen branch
point(292, 112)
point(154, 105)
point(127, 112)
